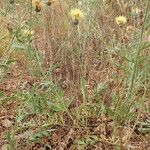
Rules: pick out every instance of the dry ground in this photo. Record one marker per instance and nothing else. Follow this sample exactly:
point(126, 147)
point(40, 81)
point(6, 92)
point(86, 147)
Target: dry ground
point(75, 87)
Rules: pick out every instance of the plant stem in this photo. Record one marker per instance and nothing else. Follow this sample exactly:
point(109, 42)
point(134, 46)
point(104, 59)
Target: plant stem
point(138, 53)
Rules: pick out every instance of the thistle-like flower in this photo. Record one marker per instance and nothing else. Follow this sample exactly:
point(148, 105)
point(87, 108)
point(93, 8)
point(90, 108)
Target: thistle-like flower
point(76, 15)
point(37, 5)
point(121, 20)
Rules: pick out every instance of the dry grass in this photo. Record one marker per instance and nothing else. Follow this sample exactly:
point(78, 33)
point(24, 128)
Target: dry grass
point(83, 86)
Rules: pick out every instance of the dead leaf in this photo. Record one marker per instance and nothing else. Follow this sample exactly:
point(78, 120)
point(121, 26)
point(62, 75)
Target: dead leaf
point(62, 145)
point(25, 135)
point(6, 123)
point(4, 147)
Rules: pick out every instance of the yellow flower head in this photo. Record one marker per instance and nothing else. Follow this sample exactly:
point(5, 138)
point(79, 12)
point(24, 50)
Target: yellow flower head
point(76, 14)
point(37, 5)
point(27, 33)
point(49, 2)
point(121, 20)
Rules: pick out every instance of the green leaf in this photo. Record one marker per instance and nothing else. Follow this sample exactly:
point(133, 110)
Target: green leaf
point(20, 117)
point(2, 94)
point(19, 46)
point(56, 107)
point(145, 45)
point(45, 133)
point(80, 142)
point(10, 61)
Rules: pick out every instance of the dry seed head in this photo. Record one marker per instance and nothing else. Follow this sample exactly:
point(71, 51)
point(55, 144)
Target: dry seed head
point(10, 27)
point(37, 5)
point(49, 2)
point(121, 20)
point(11, 1)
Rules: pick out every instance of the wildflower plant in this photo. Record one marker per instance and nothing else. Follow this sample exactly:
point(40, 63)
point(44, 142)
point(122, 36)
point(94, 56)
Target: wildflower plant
point(27, 33)
point(76, 15)
point(79, 75)
point(121, 20)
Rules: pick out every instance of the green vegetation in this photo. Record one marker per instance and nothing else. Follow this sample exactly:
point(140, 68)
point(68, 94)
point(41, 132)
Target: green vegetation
point(75, 74)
